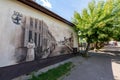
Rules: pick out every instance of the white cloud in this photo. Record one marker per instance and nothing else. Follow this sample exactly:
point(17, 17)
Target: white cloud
point(44, 3)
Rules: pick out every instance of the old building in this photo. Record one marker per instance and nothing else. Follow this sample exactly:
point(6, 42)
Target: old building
point(24, 20)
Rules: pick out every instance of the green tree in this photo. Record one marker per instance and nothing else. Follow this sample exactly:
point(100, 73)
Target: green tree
point(95, 24)
point(116, 29)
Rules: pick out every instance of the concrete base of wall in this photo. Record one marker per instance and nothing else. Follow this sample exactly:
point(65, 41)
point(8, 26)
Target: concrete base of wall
point(26, 77)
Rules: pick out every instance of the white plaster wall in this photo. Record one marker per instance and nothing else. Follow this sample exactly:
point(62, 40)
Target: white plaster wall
point(10, 35)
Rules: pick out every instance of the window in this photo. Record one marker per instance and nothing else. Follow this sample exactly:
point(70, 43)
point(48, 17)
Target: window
point(39, 25)
point(30, 35)
point(31, 22)
point(35, 23)
point(35, 38)
point(39, 40)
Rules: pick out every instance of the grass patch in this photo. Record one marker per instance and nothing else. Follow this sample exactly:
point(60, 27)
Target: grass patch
point(55, 73)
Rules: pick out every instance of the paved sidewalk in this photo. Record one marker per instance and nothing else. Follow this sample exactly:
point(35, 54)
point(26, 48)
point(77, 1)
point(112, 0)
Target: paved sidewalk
point(100, 66)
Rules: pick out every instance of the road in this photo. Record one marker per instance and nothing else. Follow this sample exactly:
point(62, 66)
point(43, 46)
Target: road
point(99, 66)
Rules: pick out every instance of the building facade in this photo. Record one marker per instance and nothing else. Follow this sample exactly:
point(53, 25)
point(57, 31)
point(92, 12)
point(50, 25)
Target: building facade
point(24, 20)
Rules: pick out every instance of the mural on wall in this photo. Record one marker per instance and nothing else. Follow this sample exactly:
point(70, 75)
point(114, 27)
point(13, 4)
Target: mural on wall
point(37, 40)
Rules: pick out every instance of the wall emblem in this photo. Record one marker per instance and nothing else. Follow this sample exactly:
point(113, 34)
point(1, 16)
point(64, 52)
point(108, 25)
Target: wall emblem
point(17, 17)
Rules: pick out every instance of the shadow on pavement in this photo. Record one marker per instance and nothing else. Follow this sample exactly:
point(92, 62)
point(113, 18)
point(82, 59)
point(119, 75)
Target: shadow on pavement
point(115, 55)
point(99, 66)
point(107, 56)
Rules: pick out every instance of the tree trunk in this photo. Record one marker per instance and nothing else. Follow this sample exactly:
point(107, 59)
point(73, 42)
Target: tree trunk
point(87, 48)
point(96, 47)
point(101, 44)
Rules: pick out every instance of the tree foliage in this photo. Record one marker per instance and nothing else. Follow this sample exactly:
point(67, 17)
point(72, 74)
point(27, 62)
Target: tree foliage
point(99, 21)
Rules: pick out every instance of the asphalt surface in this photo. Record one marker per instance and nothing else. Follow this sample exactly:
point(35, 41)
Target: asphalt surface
point(99, 66)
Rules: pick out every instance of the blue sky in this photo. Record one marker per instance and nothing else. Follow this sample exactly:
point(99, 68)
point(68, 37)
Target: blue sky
point(64, 8)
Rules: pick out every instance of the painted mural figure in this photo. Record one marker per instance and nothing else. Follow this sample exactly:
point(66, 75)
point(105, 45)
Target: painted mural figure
point(30, 53)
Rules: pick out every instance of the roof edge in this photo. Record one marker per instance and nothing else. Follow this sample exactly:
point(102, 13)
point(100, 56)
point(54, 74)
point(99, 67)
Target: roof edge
point(46, 11)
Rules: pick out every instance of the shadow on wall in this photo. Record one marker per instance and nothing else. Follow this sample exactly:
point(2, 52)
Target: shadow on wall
point(20, 54)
